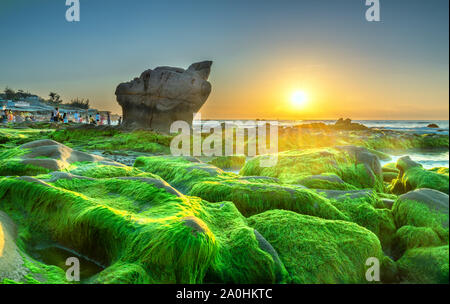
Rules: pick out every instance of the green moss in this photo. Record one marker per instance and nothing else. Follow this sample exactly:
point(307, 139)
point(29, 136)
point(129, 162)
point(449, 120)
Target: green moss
point(96, 170)
point(440, 170)
point(171, 239)
point(315, 183)
point(110, 138)
point(253, 198)
point(250, 196)
point(15, 167)
point(391, 167)
point(13, 137)
point(410, 237)
point(425, 266)
point(365, 211)
point(418, 177)
point(228, 162)
point(389, 176)
point(294, 166)
point(316, 251)
point(179, 171)
point(412, 213)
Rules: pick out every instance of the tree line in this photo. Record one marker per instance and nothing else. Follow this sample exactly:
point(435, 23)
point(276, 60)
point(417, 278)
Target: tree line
point(54, 98)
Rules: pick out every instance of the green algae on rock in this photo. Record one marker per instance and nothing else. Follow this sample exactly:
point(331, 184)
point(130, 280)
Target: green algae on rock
point(228, 162)
point(365, 208)
point(425, 266)
point(423, 218)
point(410, 237)
point(317, 251)
point(89, 137)
point(16, 266)
point(44, 156)
point(413, 176)
point(253, 198)
point(356, 166)
point(161, 237)
point(251, 195)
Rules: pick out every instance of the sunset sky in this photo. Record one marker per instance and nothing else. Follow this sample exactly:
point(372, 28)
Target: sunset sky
point(263, 52)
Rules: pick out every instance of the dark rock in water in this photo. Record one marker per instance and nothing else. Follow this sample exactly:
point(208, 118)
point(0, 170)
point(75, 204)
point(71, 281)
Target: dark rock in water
point(347, 124)
point(368, 159)
point(405, 163)
point(434, 126)
point(161, 96)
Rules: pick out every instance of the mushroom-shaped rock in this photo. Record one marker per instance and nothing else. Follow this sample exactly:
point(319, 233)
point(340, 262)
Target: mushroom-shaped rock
point(166, 94)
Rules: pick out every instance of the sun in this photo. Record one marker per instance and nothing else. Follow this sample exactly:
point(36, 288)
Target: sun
point(299, 98)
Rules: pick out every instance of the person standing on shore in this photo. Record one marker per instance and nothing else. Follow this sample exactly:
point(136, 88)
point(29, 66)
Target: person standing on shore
point(10, 116)
point(97, 118)
point(119, 122)
point(5, 116)
point(109, 119)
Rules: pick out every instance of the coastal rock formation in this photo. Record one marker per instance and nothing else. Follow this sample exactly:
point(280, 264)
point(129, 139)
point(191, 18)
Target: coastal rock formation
point(412, 176)
point(44, 156)
point(358, 167)
point(318, 251)
point(164, 95)
point(425, 265)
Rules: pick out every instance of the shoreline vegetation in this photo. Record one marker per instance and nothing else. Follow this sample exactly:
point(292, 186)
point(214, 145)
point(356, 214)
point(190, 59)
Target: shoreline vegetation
point(132, 213)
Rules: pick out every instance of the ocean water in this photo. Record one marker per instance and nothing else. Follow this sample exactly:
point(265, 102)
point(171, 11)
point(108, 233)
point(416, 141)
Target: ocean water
point(429, 159)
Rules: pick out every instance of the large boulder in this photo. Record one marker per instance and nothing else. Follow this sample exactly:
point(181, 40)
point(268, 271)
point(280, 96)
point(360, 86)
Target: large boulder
point(422, 208)
point(425, 266)
point(318, 251)
point(164, 95)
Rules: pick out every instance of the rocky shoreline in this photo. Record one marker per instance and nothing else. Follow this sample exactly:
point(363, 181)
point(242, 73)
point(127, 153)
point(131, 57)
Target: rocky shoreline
point(116, 198)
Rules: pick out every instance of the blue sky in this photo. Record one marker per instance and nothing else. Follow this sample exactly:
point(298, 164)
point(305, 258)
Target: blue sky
point(262, 50)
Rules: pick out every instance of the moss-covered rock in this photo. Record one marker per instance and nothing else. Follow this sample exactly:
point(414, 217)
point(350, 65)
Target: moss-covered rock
point(251, 195)
point(253, 198)
point(425, 266)
point(440, 170)
point(423, 208)
point(410, 237)
point(318, 251)
point(356, 166)
point(89, 137)
point(365, 208)
point(413, 176)
point(422, 216)
point(162, 237)
point(16, 266)
point(44, 156)
point(228, 162)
